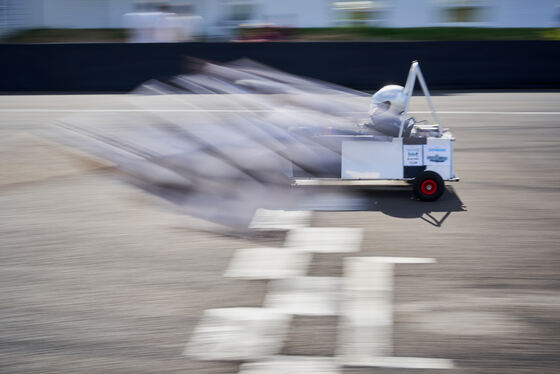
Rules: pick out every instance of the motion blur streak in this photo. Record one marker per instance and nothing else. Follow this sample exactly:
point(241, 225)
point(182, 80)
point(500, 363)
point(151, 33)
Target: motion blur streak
point(224, 166)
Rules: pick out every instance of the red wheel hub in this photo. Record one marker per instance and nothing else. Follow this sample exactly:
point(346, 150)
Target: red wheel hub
point(428, 187)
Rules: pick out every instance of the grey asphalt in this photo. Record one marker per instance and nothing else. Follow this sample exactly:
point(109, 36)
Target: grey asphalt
point(98, 276)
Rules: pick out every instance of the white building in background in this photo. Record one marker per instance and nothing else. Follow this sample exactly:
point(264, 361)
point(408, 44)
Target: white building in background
point(219, 15)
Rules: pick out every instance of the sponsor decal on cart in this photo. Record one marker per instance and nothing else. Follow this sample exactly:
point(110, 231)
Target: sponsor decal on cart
point(436, 155)
point(412, 155)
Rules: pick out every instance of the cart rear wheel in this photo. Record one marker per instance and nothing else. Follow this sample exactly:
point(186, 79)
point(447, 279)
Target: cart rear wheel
point(429, 186)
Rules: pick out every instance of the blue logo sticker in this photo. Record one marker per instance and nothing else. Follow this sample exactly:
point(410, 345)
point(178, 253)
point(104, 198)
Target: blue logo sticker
point(437, 158)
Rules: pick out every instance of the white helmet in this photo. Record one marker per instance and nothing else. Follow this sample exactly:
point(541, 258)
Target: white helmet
point(391, 98)
point(386, 108)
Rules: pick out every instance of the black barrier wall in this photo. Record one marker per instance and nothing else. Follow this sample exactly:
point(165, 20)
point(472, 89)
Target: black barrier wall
point(361, 65)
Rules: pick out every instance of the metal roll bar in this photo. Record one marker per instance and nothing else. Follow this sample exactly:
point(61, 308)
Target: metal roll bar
point(413, 74)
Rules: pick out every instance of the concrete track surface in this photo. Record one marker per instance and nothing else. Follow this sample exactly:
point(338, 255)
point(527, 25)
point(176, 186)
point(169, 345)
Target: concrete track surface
point(98, 276)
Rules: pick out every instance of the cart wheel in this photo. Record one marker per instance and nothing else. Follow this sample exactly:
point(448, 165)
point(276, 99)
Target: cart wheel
point(429, 186)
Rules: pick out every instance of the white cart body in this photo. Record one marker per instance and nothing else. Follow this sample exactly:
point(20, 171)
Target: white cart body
point(371, 158)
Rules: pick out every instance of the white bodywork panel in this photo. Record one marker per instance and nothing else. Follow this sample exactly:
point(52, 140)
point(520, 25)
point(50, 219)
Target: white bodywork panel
point(438, 156)
point(372, 159)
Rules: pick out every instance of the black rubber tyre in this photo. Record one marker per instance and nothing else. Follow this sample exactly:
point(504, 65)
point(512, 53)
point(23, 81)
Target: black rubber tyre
point(428, 186)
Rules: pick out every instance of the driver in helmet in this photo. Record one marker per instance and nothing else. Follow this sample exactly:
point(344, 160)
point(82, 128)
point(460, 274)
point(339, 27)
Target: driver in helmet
point(385, 111)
